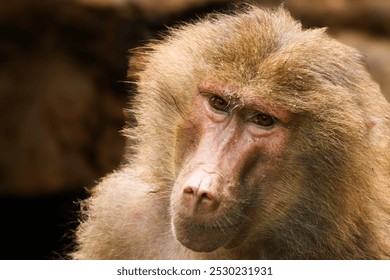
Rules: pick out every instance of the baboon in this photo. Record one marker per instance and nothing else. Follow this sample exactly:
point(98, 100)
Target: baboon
point(254, 139)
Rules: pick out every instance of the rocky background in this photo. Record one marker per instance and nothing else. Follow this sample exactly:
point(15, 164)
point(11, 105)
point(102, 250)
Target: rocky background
point(63, 88)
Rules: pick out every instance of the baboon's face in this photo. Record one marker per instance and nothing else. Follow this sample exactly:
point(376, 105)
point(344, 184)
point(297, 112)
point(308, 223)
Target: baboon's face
point(228, 161)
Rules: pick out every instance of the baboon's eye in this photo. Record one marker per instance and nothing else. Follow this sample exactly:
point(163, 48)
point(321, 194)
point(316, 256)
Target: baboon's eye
point(262, 119)
point(219, 103)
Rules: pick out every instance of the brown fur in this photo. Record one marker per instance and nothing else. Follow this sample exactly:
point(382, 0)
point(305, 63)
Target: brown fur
point(335, 169)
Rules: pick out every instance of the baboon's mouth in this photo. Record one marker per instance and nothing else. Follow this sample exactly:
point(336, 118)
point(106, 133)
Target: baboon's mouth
point(204, 237)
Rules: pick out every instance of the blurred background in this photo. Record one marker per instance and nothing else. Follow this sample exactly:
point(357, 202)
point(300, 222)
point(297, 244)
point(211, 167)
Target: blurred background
point(63, 65)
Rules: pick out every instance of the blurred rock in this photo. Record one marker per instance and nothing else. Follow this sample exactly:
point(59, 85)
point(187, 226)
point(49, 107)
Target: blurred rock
point(164, 7)
point(370, 15)
point(60, 93)
point(49, 112)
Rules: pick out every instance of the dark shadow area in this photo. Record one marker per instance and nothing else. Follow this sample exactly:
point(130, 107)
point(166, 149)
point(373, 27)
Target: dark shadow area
point(38, 228)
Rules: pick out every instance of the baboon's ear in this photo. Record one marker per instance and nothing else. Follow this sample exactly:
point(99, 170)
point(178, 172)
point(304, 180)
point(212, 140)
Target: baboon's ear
point(378, 131)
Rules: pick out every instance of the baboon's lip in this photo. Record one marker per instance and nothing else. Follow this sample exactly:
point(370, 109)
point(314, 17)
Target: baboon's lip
point(212, 227)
